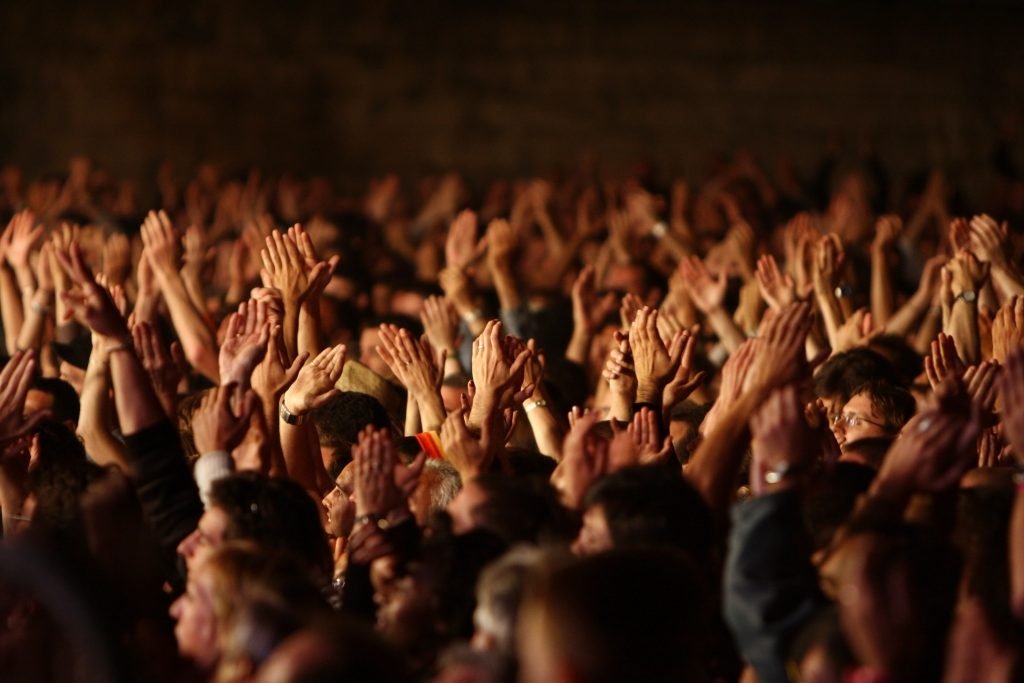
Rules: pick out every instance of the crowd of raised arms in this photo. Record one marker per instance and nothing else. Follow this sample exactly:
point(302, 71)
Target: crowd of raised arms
point(590, 427)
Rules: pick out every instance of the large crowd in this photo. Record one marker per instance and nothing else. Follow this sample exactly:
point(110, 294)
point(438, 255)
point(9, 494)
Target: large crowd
point(585, 427)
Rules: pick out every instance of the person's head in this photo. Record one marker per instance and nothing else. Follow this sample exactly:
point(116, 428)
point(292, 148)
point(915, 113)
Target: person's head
point(339, 503)
point(55, 395)
point(684, 424)
point(840, 376)
point(236, 576)
point(632, 615)
point(876, 409)
point(499, 593)
point(438, 485)
point(333, 650)
point(275, 513)
point(519, 509)
point(645, 506)
point(905, 361)
point(339, 421)
point(433, 604)
point(58, 475)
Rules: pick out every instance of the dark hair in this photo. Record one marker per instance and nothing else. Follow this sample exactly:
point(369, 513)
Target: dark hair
point(276, 513)
point(844, 372)
point(339, 421)
point(906, 362)
point(58, 479)
point(654, 506)
point(522, 509)
point(66, 405)
point(893, 403)
point(636, 615)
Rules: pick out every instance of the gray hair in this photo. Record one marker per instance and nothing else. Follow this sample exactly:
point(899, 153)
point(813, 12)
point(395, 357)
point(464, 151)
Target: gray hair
point(445, 485)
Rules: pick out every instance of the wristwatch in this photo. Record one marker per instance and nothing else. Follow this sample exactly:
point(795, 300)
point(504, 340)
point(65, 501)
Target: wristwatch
point(843, 291)
point(288, 416)
point(966, 296)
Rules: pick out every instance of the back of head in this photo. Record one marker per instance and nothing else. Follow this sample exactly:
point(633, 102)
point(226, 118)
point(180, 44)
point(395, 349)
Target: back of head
point(654, 506)
point(58, 478)
point(339, 421)
point(843, 373)
point(276, 513)
point(633, 615)
point(498, 595)
point(522, 509)
point(331, 651)
point(64, 403)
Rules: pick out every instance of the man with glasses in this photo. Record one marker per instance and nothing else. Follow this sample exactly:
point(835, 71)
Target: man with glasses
point(876, 409)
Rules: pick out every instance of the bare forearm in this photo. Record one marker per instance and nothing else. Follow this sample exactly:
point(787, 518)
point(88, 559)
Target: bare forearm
point(881, 288)
point(906, 316)
point(725, 327)
point(297, 442)
point(137, 404)
point(715, 466)
point(928, 330)
point(196, 337)
point(831, 314)
point(308, 335)
point(546, 431)
point(578, 350)
point(505, 283)
point(94, 421)
point(11, 309)
point(412, 417)
point(963, 327)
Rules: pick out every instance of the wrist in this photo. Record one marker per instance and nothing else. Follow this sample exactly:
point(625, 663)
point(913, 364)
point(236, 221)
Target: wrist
point(648, 392)
point(294, 405)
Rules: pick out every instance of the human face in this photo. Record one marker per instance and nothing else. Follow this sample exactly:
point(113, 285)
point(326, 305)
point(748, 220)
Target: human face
point(195, 626)
point(857, 420)
point(461, 509)
point(594, 536)
point(340, 503)
point(208, 536)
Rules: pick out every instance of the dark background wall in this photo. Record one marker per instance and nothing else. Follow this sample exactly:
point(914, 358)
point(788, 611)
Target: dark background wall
point(351, 88)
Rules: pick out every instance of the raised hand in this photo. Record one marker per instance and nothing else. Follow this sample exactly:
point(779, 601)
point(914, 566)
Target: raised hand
point(584, 460)
point(943, 361)
point(969, 274)
point(165, 368)
point(887, 232)
point(440, 323)
point(275, 374)
point(24, 233)
point(284, 268)
point(216, 426)
point(88, 302)
point(960, 234)
point(584, 302)
point(117, 258)
point(706, 292)
point(988, 240)
point(462, 449)
point(931, 454)
point(858, 330)
point(461, 248)
point(776, 287)
point(1008, 328)
point(376, 458)
point(653, 361)
point(163, 247)
point(493, 371)
point(245, 343)
point(780, 356)
point(15, 380)
point(685, 381)
point(648, 443)
point(981, 381)
point(829, 260)
point(316, 383)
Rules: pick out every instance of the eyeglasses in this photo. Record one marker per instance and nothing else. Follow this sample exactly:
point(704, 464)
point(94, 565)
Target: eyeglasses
point(852, 420)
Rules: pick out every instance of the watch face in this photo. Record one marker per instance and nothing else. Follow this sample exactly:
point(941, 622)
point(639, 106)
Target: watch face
point(969, 297)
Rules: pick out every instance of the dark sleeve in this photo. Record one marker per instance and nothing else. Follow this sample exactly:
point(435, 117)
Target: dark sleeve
point(770, 587)
point(164, 484)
